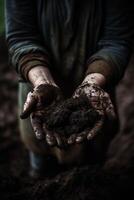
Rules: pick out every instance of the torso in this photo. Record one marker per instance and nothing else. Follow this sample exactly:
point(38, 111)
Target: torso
point(70, 30)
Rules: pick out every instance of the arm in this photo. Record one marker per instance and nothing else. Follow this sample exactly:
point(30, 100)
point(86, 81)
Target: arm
point(31, 61)
point(23, 37)
point(106, 66)
point(113, 49)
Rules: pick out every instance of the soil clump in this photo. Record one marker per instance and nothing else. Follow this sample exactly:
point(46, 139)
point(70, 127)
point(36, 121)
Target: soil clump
point(71, 116)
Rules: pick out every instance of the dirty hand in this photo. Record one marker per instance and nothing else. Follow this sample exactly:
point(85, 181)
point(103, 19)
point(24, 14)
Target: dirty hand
point(101, 102)
point(37, 100)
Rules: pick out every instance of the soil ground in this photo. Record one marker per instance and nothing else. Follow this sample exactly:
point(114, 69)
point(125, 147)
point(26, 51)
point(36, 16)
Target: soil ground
point(113, 180)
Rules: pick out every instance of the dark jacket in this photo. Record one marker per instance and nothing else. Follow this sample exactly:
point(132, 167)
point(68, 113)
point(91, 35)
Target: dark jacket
point(69, 36)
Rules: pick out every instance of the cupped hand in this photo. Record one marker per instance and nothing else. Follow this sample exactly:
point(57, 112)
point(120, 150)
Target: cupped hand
point(101, 102)
point(36, 102)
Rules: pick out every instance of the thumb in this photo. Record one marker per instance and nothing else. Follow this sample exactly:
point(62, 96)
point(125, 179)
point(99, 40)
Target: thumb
point(28, 106)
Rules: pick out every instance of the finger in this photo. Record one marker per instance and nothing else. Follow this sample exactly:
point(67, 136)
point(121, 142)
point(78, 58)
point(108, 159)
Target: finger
point(50, 138)
point(71, 139)
point(110, 112)
point(37, 127)
point(82, 136)
point(60, 140)
point(97, 128)
point(28, 106)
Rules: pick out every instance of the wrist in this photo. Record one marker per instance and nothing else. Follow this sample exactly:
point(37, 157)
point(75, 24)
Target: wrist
point(43, 82)
point(40, 75)
point(96, 78)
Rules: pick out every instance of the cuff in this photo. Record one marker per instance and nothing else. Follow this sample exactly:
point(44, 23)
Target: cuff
point(30, 61)
point(104, 68)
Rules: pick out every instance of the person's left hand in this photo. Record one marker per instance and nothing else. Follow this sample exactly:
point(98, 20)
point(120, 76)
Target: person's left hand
point(101, 102)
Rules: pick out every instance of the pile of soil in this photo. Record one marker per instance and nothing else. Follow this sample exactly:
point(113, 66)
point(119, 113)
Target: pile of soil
point(113, 180)
point(71, 116)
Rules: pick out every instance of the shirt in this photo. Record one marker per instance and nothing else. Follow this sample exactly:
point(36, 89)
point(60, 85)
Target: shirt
point(69, 36)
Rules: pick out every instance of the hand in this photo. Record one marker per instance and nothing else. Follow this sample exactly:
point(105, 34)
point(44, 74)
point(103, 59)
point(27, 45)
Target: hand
point(101, 102)
point(37, 100)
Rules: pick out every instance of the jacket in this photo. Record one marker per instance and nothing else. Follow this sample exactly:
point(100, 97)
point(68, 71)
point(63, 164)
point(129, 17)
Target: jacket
point(71, 37)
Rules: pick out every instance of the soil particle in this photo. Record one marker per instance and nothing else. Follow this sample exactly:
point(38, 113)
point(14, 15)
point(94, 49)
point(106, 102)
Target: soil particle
point(71, 116)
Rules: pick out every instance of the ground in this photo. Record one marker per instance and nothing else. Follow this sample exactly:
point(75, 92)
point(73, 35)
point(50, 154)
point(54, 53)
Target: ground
point(112, 180)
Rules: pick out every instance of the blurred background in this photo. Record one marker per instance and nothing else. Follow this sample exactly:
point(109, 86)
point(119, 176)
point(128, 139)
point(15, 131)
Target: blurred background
point(1, 16)
point(76, 183)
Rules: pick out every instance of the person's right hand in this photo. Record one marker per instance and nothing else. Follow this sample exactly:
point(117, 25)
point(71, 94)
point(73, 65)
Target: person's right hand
point(37, 100)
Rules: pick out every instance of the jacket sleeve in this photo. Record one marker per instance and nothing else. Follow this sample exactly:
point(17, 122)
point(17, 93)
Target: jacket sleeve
point(113, 48)
point(23, 38)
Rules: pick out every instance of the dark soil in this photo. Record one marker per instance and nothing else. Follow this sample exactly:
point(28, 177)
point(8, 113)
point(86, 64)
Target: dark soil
point(71, 116)
point(113, 180)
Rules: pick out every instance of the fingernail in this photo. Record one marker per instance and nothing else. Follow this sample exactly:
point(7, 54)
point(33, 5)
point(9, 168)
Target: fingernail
point(89, 136)
point(51, 143)
point(70, 142)
point(39, 136)
point(50, 140)
point(79, 139)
